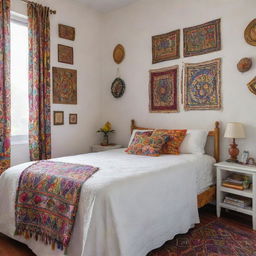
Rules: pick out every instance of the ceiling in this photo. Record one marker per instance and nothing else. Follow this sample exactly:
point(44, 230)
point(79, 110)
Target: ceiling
point(106, 5)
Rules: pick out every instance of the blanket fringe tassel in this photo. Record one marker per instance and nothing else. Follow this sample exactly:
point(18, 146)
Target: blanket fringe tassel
point(46, 239)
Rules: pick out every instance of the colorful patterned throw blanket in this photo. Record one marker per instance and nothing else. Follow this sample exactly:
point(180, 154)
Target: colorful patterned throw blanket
point(47, 201)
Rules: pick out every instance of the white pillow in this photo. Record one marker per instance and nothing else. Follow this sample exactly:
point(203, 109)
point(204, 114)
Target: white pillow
point(194, 142)
point(133, 134)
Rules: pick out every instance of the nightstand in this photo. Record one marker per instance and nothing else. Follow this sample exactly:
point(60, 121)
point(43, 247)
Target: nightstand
point(98, 148)
point(223, 170)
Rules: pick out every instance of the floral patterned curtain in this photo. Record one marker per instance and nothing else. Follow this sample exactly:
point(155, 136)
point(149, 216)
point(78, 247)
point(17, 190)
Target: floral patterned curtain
point(5, 93)
point(39, 82)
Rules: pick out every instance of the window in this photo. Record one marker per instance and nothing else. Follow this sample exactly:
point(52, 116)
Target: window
point(19, 79)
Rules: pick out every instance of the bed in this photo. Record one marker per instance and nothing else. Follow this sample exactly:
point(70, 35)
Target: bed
point(208, 194)
point(129, 195)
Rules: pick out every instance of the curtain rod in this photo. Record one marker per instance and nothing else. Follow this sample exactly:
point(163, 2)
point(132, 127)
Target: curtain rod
point(51, 11)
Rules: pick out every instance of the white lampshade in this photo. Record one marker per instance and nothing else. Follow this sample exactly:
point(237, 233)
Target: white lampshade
point(234, 130)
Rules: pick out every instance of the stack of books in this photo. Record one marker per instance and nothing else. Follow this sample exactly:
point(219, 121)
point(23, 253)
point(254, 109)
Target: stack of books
point(238, 201)
point(236, 181)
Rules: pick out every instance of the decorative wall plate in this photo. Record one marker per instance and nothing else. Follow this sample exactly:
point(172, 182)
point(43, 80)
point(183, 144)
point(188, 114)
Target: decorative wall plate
point(250, 33)
point(252, 85)
point(244, 64)
point(118, 87)
point(118, 54)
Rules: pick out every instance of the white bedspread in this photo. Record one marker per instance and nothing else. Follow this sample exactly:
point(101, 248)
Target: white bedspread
point(132, 205)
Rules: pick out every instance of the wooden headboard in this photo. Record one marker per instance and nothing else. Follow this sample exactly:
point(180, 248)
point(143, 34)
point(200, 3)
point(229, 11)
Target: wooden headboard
point(215, 133)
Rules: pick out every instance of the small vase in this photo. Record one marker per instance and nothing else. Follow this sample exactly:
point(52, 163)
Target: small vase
point(105, 140)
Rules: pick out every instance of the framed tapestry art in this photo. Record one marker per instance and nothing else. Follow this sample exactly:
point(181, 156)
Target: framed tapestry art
point(65, 54)
point(202, 39)
point(163, 91)
point(67, 32)
point(166, 46)
point(202, 85)
point(64, 86)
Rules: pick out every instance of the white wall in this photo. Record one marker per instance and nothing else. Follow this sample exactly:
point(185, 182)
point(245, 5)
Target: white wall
point(133, 27)
point(73, 139)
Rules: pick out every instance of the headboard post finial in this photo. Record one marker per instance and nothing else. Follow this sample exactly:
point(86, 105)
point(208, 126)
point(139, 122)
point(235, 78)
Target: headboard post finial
point(132, 125)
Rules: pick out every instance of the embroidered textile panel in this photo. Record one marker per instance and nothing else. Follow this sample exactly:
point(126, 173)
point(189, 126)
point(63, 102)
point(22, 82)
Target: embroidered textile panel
point(202, 39)
point(47, 200)
point(163, 91)
point(166, 46)
point(202, 85)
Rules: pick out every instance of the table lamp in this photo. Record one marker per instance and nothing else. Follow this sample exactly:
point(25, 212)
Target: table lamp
point(234, 131)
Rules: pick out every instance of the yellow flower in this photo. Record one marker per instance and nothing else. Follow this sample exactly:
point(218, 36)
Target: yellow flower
point(107, 127)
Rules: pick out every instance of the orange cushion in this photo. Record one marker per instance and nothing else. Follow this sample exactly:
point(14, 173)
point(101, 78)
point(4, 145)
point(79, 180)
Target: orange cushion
point(148, 145)
point(173, 145)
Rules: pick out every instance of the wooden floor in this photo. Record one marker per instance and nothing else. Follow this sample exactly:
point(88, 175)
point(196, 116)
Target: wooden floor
point(9, 247)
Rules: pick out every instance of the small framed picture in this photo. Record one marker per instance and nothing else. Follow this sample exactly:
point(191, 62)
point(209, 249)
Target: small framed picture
point(67, 32)
point(72, 118)
point(58, 117)
point(65, 54)
point(244, 157)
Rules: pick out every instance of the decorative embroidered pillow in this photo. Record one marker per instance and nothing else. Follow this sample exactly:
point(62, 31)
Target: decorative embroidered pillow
point(142, 133)
point(148, 145)
point(175, 139)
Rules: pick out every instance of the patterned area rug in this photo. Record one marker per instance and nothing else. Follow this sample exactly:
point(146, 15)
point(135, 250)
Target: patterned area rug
point(219, 237)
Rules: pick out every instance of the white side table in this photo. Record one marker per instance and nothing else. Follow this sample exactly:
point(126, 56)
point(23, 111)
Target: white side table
point(98, 148)
point(223, 170)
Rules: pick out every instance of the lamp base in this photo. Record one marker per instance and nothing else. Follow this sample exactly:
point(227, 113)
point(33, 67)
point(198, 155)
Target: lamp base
point(233, 152)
